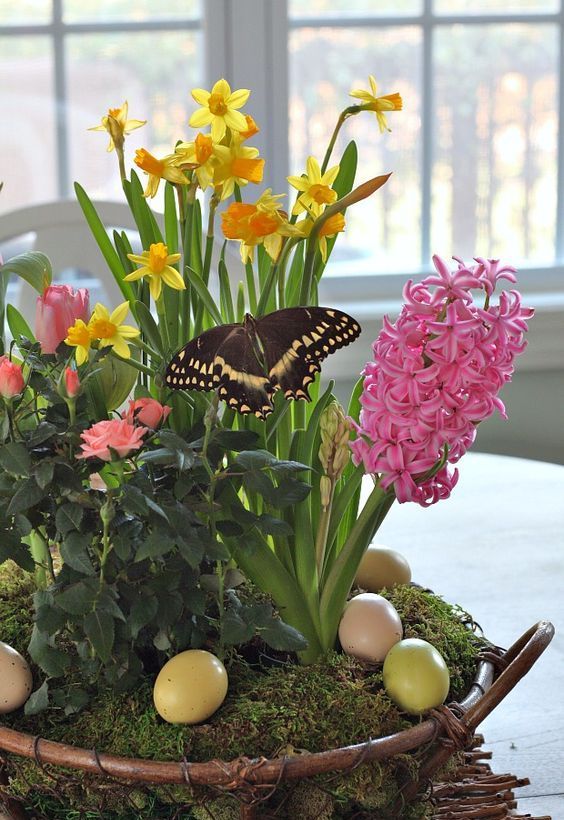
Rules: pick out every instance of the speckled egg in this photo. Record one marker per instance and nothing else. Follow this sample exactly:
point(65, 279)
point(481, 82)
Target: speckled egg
point(190, 687)
point(382, 567)
point(370, 626)
point(416, 676)
point(16, 681)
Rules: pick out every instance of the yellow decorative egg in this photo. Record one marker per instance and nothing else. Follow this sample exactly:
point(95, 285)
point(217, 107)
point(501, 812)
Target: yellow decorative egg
point(190, 687)
point(382, 567)
point(16, 681)
point(416, 676)
point(370, 626)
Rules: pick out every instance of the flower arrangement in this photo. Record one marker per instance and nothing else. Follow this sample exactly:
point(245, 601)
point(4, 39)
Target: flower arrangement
point(142, 483)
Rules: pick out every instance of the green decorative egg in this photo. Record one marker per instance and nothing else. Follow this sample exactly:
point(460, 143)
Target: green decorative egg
point(416, 676)
point(382, 567)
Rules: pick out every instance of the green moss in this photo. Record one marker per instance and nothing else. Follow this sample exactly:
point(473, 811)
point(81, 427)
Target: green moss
point(16, 606)
point(270, 712)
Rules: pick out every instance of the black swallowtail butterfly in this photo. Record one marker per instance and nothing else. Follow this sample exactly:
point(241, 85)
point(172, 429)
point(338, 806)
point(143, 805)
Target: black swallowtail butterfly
point(246, 362)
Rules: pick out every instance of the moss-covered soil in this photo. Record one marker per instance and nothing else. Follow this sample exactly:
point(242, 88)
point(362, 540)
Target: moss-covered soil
point(281, 709)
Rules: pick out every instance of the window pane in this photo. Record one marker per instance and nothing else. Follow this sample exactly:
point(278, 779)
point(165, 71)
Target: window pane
point(138, 10)
point(347, 8)
point(154, 72)
point(494, 175)
point(325, 65)
point(494, 6)
point(27, 139)
point(25, 11)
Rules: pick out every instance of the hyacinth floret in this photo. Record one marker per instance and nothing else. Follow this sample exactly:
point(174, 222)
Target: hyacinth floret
point(436, 373)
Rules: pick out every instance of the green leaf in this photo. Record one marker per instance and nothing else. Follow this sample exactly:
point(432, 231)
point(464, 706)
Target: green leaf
point(74, 552)
point(283, 637)
point(100, 631)
point(33, 267)
point(155, 545)
point(12, 547)
point(141, 613)
point(270, 525)
point(38, 701)
point(27, 495)
point(237, 440)
point(15, 459)
point(69, 517)
point(17, 324)
point(104, 243)
point(225, 297)
point(42, 433)
point(196, 282)
point(44, 473)
point(49, 619)
point(114, 380)
point(53, 661)
point(235, 629)
point(149, 328)
point(253, 460)
point(289, 492)
point(347, 170)
point(78, 598)
point(149, 231)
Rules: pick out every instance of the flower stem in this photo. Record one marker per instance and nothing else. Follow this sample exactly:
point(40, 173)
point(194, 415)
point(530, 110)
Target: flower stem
point(350, 111)
point(323, 531)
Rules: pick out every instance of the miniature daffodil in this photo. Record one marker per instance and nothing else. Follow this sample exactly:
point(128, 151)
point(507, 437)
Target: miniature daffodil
point(199, 155)
point(117, 125)
point(236, 164)
point(330, 228)
point(78, 336)
point(156, 265)
point(263, 222)
point(109, 331)
point(388, 102)
point(315, 187)
point(157, 169)
point(220, 109)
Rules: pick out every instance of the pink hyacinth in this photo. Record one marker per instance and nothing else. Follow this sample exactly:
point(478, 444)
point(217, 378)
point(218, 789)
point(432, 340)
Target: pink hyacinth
point(436, 373)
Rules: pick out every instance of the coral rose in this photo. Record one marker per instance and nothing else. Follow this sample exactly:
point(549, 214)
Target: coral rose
point(149, 412)
point(58, 309)
point(11, 379)
point(115, 435)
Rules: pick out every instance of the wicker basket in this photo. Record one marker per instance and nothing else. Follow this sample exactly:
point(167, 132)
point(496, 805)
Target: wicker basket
point(447, 730)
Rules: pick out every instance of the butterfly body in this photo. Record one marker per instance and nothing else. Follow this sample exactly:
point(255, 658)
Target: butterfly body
point(247, 362)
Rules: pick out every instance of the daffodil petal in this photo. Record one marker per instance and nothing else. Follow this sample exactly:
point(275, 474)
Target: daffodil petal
point(121, 347)
point(119, 313)
point(128, 332)
point(300, 183)
point(173, 258)
point(373, 84)
point(131, 125)
point(201, 96)
point(218, 129)
point(136, 274)
point(172, 278)
point(222, 87)
point(330, 176)
point(101, 312)
point(366, 96)
point(201, 117)
point(155, 287)
point(313, 170)
point(81, 355)
point(238, 98)
point(234, 120)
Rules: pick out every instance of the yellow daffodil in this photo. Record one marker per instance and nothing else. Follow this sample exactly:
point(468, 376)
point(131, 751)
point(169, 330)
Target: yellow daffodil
point(156, 264)
point(157, 169)
point(199, 155)
point(252, 129)
point(315, 187)
point(109, 331)
point(117, 125)
point(263, 222)
point(78, 336)
point(389, 102)
point(236, 163)
point(334, 225)
point(220, 109)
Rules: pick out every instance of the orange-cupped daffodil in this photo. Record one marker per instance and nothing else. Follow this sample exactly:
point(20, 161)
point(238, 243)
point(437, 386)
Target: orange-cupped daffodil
point(78, 336)
point(388, 102)
point(315, 187)
point(108, 330)
point(263, 222)
point(156, 264)
point(117, 125)
point(220, 109)
point(157, 169)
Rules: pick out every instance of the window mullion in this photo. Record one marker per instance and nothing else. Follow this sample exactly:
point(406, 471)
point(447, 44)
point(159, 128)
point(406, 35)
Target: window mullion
point(61, 119)
point(426, 131)
point(559, 249)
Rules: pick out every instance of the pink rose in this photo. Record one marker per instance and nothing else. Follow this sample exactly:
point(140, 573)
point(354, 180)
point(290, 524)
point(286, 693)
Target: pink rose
point(72, 383)
point(149, 412)
point(56, 311)
point(117, 434)
point(11, 379)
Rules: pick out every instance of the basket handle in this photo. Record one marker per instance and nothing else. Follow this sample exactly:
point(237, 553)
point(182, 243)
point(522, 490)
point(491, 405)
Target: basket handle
point(519, 658)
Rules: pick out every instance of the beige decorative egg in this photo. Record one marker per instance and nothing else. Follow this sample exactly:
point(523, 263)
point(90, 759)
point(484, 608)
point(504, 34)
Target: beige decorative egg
point(370, 626)
point(16, 681)
point(382, 567)
point(190, 687)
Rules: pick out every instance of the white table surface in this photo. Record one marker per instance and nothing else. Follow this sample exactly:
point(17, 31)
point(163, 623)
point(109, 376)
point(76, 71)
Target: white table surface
point(496, 547)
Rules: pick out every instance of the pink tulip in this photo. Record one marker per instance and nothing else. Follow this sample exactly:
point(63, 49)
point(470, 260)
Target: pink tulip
point(119, 435)
point(149, 412)
point(11, 379)
point(57, 310)
point(72, 383)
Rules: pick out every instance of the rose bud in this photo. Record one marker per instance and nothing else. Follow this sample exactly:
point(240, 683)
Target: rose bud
point(148, 412)
point(11, 379)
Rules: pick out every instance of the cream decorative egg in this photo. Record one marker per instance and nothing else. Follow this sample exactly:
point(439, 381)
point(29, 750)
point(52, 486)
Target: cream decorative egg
point(190, 687)
point(16, 681)
point(370, 626)
point(416, 676)
point(382, 567)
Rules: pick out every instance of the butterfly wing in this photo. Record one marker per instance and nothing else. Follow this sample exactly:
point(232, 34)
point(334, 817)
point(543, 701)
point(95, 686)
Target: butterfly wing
point(296, 340)
point(223, 358)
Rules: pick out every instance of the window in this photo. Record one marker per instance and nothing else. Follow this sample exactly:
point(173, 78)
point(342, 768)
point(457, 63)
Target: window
point(67, 61)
